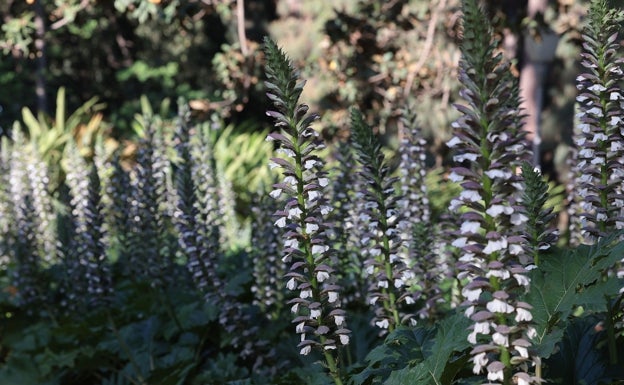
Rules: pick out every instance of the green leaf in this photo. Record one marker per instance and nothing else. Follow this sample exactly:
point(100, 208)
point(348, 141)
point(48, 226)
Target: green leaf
point(569, 279)
point(439, 367)
point(580, 358)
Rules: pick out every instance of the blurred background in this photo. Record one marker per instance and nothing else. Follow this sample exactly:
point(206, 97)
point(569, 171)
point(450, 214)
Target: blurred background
point(113, 59)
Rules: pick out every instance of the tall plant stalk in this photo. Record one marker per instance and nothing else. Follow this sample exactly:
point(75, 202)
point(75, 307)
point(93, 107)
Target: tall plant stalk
point(320, 320)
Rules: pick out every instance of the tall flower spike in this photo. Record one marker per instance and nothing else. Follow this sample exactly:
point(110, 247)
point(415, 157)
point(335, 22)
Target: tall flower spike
point(417, 230)
point(347, 230)
point(152, 254)
point(23, 248)
point(489, 147)
point(390, 274)
point(196, 216)
point(539, 233)
point(601, 123)
point(266, 240)
point(319, 319)
point(88, 270)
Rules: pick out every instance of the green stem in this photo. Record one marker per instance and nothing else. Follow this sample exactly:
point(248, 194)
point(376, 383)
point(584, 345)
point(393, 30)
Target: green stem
point(126, 350)
point(613, 356)
point(333, 367)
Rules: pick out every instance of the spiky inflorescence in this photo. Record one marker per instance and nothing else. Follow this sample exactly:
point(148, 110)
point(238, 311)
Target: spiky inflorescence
point(266, 240)
point(23, 247)
point(116, 194)
point(88, 273)
point(347, 232)
point(539, 233)
point(417, 229)
point(390, 275)
point(149, 212)
point(320, 320)
point(196, 216)
point(600, 167)
point(489, 147)
point(7, 225)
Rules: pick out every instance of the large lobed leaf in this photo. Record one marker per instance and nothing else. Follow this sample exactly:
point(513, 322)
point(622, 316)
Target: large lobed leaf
point(439, 367)
point(569, 279)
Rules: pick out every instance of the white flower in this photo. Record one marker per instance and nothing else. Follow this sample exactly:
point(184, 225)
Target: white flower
point(319, 249)
point(518, 219)
point(375, 252)
point(300, 327)
point(470, 196)
point(398, 283)
point(291, 180)
point(339, 320)
point(498, 173)
point(291, 284)
point(455, 177)
point(281, 222)
point(315, 313)
point(382, 283)
point(522, 279)
point(295, 212)
point(309, 164)
point(471, 295)
point(453, 142)
point(276, 193)
point(291, 242)
point(344, 339)
point(586, 153)
point(599, 136)
point(313, 195)
point(531, 332)
point(479, 360)
point(479, 328)
point(305, 294)
point(523, 315)
point(305, 350)
point(495, 375)
point(495, 245)
point(459, 242)
point(496, 210)
point(383, 323)
point(524, 352)
point(323, 182)
point(597, 112)
point(462, 157)
point(470, 227)
point(294, 307)
point(332, 296)
point(500, 273)
point(322, 276)
point(286, 151)
point(500, 339)
point(597, 88)
point(498, 306)
point(311, 228)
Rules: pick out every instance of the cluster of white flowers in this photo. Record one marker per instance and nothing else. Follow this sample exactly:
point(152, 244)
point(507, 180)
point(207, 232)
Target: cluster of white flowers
point(600, 140)
point(492, 262)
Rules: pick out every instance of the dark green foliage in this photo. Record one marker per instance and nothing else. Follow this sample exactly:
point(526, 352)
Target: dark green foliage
point(582, 357)
point(422, 355)
point(570, 279)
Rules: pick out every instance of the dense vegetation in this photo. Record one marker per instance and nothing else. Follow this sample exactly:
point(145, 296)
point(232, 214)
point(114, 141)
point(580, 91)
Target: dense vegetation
point(206, 251)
